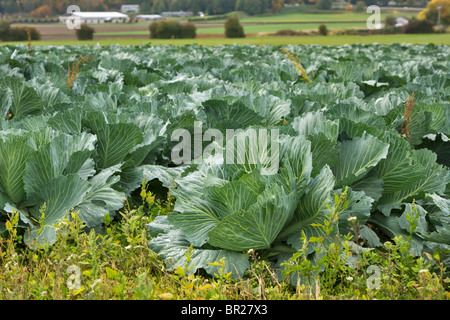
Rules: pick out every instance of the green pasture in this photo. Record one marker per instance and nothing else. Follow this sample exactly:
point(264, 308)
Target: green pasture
point(303, 40)
point(251, 29)
point(342, 16)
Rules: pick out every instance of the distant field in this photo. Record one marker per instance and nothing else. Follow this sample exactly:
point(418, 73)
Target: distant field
point(327, 41)
point(319, 17)
point(210, 28)
point(212, 32)
point(248, 29)
point(252, 29)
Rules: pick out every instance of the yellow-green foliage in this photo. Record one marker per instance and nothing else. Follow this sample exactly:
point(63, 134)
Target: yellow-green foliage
point(431, 11)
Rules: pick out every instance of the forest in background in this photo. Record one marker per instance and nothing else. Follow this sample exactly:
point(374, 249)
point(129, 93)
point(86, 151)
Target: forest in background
point(48, 8)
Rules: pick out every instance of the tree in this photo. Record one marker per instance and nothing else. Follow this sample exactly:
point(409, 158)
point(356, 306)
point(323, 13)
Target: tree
point(146, 7)
point(239, 6)
point(159, 6)
point(214, 7)
point(42, 11)
point(228, 5)
point(431, 11)
point(175, 5)
point(195, 7)
point(360, 6)
point(253, 7)
point(233, 27)
point(277, 4)
point(27, 6)
point(323, 4)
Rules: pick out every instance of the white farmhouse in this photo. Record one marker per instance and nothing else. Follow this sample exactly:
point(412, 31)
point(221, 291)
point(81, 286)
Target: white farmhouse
point(95, 17)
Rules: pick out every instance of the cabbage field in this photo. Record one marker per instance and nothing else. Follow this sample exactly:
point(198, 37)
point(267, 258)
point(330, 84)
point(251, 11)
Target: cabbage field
point(261, 147)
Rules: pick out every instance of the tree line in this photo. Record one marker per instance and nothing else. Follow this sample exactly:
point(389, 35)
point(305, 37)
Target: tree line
point(44, 8)
point(48, 8)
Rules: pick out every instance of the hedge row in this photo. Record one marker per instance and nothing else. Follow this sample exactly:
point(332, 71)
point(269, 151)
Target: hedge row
point(167, 29)
point(8, 33)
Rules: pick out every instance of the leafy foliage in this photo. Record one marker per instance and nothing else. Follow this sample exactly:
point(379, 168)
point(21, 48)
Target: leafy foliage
point(431, 12)
point(341, 127)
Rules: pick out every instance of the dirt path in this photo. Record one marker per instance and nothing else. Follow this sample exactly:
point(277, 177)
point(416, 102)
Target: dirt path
point(61, 32)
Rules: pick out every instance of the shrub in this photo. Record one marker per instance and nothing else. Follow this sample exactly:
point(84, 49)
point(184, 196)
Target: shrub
point(188, 30)
point(439, 28)
point(35, 34)
point(167, 29)
point(390, 21)
point(323, 30)
point(233, 28)
point(391, 30)
point(17, 33)
point(286, 32)
point(323, 4)
point(85, 32)
point(152, 27)
point(419, 26)
point(5, 30)
point(291, 33)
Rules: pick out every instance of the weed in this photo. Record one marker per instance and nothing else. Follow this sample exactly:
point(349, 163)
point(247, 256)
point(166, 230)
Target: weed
point(72, 71)
point(28, 31)
point(407, 116)
point(298, 66)
point(342, 269)
point(117, 264)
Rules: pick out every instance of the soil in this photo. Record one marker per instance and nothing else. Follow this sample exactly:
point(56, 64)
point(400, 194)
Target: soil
point(61, 32)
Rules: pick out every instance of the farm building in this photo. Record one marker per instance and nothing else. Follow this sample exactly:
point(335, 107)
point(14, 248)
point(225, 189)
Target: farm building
point(95, 17)
point(177, 14)
point(132, 8)
point(148, 17)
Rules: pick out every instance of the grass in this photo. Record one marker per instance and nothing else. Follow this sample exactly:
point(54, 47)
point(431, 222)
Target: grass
point(321, 40)
point(252, 29)
point(119, 265)
point(249, 29)
point(342, 16)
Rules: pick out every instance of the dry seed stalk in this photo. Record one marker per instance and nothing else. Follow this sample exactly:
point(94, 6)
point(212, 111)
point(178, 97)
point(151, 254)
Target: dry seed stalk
point(73, 72)
point(298, 66)
point(407, 115)
point(29, 39)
